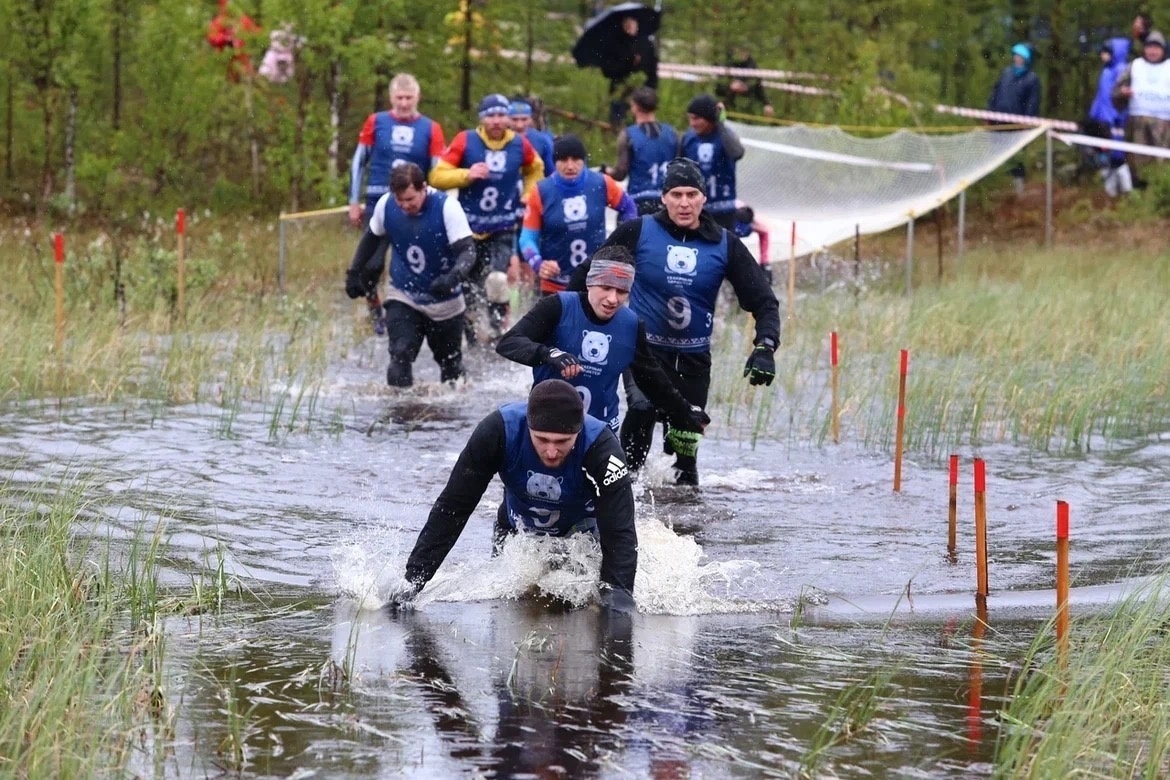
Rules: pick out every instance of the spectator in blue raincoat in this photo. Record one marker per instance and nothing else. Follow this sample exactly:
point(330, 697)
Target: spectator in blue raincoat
point(1107, 120)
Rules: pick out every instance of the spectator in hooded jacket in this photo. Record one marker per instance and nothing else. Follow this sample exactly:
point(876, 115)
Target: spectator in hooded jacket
point(1107, 121)
point(1017, 92)
point(1144, 87)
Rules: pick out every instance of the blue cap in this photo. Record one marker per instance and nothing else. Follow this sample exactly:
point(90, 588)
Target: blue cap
point(520, 108)
point(493, 105)
point(1024, 50)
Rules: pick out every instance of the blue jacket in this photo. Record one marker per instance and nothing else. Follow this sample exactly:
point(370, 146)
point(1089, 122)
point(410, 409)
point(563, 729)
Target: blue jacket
point(1014, 94)
point(1103, 110)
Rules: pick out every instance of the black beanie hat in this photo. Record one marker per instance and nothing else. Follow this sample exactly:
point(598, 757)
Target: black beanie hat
point(682, 172)
point(569, 146)
point(704, 107)
point(555, 406)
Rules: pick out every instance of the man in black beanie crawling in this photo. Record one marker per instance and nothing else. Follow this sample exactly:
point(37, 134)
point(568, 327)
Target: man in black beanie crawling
point(681, 257)
point(563, 473)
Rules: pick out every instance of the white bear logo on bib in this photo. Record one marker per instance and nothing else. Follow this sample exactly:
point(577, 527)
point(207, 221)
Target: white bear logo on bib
point(402, 135)
point(706, 153)
point(595, 346)
point(576, 209)
point(544, 486)
point(681, 260)
point(496, 161)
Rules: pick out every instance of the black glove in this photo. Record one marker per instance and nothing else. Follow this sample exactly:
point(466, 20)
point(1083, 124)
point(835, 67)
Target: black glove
point(445, 284)
point(761, 366)
point(696, 420)
point(354, 286)
point(402, 597)
point(617, 599)
point(560, 360)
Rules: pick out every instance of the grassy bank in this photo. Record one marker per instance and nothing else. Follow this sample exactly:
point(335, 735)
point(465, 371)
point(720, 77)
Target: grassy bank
point(78, 645)
point(1101, 709)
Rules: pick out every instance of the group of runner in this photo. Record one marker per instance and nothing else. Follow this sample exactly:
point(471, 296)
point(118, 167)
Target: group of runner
point(640, 302)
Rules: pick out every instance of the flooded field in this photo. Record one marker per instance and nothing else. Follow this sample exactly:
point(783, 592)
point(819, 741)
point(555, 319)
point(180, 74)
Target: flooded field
point(796, 615)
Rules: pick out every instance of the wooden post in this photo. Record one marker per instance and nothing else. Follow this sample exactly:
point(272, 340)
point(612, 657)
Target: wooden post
point(1062, 575)
point(181, 239)
point(901, 425)
point(981, 527)
point(833, 364)
point(953, 506)
point(792, 275)
point(59, 285)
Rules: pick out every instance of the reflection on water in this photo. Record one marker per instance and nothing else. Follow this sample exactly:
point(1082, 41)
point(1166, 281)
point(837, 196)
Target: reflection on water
point(768, 599)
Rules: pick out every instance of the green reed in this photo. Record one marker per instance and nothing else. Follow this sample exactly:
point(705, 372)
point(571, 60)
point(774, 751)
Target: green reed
point(1048, 350)
point(1100, 709)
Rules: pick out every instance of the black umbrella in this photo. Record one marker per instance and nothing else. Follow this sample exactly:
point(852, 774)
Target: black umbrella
point(596, 43)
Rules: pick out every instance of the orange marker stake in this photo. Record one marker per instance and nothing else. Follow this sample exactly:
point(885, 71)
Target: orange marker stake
point(901, 420)
point(59, 263)
point(981, 527)
point(792, 275)
point(1062, 575)
point(181, 231)
point(953, 506)
point(833, 364)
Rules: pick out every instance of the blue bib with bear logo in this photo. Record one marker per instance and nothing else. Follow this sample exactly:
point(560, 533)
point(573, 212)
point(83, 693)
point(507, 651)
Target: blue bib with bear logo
point(718, 169)
point(572, 220)
point(555, 501)
point(397, 141)
point(422, 251)
point(604, 351)
point(675, 287)
point(490, 204)
point(648, 159)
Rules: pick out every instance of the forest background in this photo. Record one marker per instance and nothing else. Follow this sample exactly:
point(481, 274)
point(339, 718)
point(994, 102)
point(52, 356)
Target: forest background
point(116, 107)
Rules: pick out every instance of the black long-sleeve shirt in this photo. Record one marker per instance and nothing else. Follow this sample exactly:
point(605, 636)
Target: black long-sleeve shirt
point(483, 457)
point(747, 278)
point(529, 341)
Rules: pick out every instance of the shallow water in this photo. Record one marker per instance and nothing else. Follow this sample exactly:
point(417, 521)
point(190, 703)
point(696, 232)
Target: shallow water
point(769, 601)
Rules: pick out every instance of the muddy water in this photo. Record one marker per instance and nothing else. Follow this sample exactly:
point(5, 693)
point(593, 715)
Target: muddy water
point(794, 587)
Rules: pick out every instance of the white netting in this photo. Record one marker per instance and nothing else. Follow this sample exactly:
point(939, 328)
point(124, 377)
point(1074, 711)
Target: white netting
point(833, 184)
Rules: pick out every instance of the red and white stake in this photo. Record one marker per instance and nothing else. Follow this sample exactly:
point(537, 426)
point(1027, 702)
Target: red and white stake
point(181, 262)
point(833, 369)
point(1062, 574)
point(953, 506)
point(901, 427)
point(59, 263)
point(981, 528)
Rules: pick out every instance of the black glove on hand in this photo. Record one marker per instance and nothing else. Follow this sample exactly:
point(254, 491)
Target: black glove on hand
point(560, 360)
point(354, 286)
point(445, 284)
point(698, 420)
point(761, 366)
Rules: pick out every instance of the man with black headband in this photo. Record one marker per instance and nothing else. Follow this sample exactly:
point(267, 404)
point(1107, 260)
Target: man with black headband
point(681, 257)
point(589, 338)
point(563, 473)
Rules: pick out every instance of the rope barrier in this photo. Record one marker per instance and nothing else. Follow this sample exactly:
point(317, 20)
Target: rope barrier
point(316, 213)
point(1074, 139)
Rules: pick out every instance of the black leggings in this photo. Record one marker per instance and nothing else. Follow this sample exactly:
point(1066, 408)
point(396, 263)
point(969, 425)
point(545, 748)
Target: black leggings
point(406, 329)
point(690, 372)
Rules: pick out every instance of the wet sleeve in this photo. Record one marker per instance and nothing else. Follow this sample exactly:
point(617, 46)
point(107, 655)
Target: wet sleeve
point(731, 143)
point(455, 221)
point(606, 463)
point(621, 169)
point(524, 342)
point(447, 175)
point(654, 382)
point(480, 460)
point(754, 291)
point(356, 168)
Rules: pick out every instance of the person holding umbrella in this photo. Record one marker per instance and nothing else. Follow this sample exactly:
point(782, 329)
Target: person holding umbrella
point(620, 41)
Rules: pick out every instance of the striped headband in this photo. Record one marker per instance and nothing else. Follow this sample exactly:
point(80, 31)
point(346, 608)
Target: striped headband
point(610, 273)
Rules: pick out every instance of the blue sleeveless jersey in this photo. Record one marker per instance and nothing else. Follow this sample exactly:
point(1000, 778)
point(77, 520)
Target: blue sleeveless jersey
point(555, 501)
point(572, 221)
point(718, 169)
point(603, 350)
point(397, 142)
point(648, 159)
point(422, 251)
point(490, 204)
point(542, 142)
point(675, 287)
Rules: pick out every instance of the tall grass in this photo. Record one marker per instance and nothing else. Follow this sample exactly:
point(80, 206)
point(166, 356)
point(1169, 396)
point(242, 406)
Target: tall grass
point(80, 677)
point(1099, 710)
point(1050, 350)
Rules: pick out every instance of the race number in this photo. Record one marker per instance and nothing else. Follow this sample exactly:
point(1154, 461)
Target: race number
point(578, 251)
point(586, 396)
point(678, 312)
point(489, 199)
point(416, 259)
